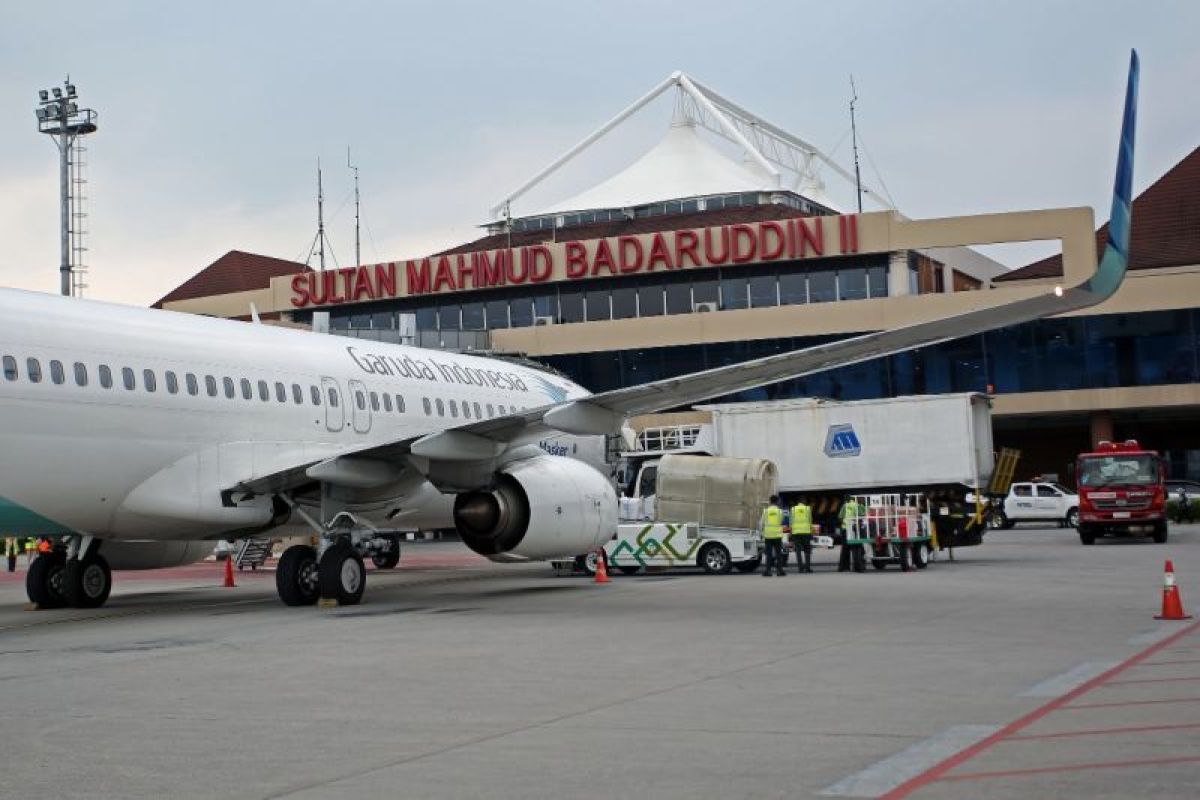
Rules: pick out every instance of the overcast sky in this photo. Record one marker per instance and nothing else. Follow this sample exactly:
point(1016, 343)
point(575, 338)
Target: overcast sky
point(213, 115)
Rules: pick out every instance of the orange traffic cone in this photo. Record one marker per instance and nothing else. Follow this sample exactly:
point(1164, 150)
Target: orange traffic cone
point(601, 567)
point(229, 584)
point(1172, 605)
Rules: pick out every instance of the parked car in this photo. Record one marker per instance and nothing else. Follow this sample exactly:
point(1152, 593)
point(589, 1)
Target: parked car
point(1037, 502)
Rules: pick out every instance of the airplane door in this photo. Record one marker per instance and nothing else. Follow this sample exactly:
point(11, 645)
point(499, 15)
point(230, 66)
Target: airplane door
point(335, 410)
point(360, 408)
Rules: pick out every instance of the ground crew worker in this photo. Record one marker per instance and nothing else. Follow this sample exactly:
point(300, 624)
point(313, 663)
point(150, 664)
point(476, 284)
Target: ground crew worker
point(30, 550)
point(11, 550)
point(771, 525)
point(851, 554)
point(802, 536)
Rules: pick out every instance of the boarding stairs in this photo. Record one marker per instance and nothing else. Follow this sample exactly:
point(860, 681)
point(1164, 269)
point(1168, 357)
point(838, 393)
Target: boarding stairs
point(253, 553)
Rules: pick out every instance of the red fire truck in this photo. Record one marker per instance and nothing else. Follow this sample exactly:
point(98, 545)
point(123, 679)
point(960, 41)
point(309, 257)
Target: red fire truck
point(1121, 492)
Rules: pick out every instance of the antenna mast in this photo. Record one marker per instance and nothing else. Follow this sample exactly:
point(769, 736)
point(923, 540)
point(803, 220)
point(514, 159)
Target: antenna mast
point(854, 140)
point(319, 242)
point(357, 244)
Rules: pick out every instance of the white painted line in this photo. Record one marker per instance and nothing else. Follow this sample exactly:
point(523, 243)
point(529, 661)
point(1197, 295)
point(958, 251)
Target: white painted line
point(1071, 679)
point(1153, 637)
point(880, 778)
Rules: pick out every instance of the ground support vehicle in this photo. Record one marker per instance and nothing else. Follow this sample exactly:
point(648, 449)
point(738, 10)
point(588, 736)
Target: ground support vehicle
point(717, 551)
point(937, 445)
point(1036, 501)
point(1122, 492)
point(890, 529)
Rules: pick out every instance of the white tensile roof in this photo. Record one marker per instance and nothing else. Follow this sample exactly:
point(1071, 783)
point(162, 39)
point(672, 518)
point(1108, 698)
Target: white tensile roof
point(681, 165)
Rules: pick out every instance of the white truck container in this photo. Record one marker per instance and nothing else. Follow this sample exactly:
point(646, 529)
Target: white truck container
point(824, 450)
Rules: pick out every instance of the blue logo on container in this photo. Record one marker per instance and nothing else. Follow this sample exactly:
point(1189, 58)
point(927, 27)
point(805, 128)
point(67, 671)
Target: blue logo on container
point(842, 442)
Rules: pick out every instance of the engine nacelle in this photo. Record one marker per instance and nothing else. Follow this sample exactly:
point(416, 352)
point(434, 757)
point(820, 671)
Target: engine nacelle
point(542, 507)
point(152, 555)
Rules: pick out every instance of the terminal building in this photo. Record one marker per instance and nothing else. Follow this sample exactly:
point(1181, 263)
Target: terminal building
point(695, 257)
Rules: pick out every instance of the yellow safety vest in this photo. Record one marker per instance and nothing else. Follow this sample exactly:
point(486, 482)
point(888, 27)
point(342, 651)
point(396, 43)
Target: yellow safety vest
point(801, 519)
point(772, 524)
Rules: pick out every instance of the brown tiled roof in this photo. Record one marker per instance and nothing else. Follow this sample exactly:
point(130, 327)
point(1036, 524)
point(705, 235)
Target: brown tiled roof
point(236, 271)
point(623, 227)
point(1166, 226)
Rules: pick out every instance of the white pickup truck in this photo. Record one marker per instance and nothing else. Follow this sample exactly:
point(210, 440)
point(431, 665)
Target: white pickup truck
point(1037, 502)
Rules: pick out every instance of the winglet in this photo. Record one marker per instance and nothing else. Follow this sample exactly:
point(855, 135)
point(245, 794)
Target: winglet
point(1116, 251)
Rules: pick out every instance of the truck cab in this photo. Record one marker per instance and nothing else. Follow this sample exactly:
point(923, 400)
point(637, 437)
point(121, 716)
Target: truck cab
point(1035, 501)
point(1122, 491)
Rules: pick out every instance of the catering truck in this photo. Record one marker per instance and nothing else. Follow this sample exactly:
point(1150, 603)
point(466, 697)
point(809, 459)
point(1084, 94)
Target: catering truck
point(1122, 492)
point(939, 446)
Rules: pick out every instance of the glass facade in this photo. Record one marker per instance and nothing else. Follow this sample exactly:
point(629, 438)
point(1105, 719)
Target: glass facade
point(1152, 348)
point(680, 292)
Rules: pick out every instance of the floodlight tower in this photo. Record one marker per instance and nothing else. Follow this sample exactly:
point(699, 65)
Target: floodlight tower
point(60, 116)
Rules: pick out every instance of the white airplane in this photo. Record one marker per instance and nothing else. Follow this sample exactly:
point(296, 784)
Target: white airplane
point(140, 436)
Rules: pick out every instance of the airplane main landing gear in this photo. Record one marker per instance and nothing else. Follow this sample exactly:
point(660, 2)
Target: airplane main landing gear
point(75, 575)
point(87, 581)
point(44, 581)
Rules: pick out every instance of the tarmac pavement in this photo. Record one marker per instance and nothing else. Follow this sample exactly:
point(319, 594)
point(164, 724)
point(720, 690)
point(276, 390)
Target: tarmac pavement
point(1029, 667)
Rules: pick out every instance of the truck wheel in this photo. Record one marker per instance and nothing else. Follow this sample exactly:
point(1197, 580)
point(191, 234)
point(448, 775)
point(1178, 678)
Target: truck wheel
point(1072, 518)
point(1087, 535)
point(1160, 533)
point(918, 556)
point(715, 560)
point(587, 562)
point(904, 561)
point(749, 565)
point(879, 564)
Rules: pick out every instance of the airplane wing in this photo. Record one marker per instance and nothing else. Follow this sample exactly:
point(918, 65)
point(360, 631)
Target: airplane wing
point(605, 412)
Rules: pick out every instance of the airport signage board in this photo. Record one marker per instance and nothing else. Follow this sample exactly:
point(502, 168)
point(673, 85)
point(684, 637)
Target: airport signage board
point(615, 256)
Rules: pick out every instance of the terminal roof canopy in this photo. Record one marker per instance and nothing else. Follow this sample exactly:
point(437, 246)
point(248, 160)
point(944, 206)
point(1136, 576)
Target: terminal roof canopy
point(236, 271)
point(1166, 226)
point(682, 164)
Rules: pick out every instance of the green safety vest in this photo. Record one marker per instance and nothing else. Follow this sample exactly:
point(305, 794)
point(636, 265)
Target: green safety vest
point(801, 520)
point(772, 523)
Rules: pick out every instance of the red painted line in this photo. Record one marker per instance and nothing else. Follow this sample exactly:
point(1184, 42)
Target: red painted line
point(1104, 731)
point(1009, 773)
point(1131, 703)
point(1151, 680)
point(937, 771)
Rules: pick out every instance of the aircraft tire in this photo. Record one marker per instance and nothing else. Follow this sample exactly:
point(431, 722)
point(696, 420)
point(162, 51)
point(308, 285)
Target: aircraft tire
point(296, 576)
point(341, 575)
point(43, 582)
point(86, 582)
point(391, 558)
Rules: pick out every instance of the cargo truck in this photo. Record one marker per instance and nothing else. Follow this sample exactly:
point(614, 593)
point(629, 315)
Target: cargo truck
point(939, 446)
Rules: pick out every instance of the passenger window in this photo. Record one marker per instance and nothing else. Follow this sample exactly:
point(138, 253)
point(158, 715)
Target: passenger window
point(227, 382)
point(387, 402)
point(34, 370)
point(127, 379)
point(425, 404)
point(56, 372)
point(454, 409)
point(1023, 491)
point(193, 385)
point(148, 378)
point(374, 402)
point(1046, 491)
point(491, 411)
point(105, 376)
point(297, 394)
point(80, 374)
point(247, 389)
point(466, 410)
point(10, 368)
point(478, 412)
point(210, 385)
point(264, 391)
point(441, 407)
point(360, 401)
point(333, 398)
point(280, 392)
point(399, 404)
point(316, 396)
point(172, 382)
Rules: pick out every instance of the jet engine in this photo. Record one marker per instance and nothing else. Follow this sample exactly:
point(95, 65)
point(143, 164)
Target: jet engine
point(540, 508)
point(152, 555)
